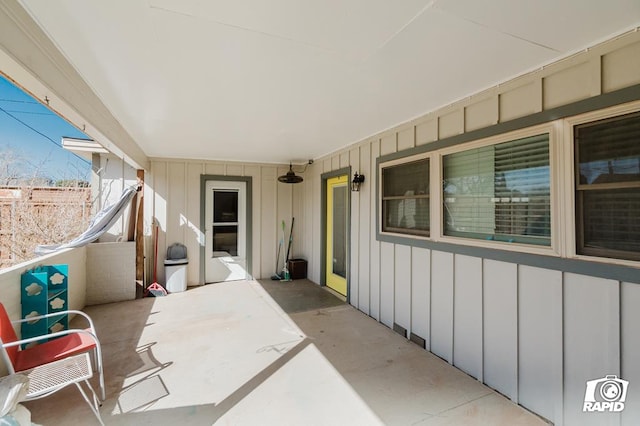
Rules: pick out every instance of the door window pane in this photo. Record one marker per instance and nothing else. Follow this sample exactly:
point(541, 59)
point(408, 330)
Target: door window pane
point(340, 231)
point(225, 223)
point(225, 240)
point(225, 206)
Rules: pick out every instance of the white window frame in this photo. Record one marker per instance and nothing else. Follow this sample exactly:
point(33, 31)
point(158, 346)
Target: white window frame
point(555, 247)
point(563, 242)
point(569, 180)
point(397, 162)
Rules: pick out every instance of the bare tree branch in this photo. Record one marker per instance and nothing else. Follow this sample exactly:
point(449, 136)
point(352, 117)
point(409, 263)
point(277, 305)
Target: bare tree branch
point(33, 214)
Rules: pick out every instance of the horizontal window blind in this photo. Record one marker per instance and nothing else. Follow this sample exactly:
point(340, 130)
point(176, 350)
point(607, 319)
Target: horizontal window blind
point(405, 198)
point(608, 187)
point(499, 192)
point(611, 221)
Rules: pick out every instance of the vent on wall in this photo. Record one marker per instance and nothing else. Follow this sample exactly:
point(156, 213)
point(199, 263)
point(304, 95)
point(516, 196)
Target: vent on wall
point(418, 340)
point(400, 330)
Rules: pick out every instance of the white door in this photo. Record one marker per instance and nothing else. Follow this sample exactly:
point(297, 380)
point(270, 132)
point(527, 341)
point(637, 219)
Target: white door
point(226, 231)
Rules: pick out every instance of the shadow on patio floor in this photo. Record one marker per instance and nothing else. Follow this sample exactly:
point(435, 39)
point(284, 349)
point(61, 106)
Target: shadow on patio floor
point(300, 295)
point(228, 354)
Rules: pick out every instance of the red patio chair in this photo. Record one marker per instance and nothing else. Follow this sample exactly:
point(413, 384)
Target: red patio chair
point(64, 344)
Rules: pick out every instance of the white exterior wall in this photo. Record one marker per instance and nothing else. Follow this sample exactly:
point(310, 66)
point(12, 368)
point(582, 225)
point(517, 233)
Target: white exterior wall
point(10, 283)
point(533, 334)
point(111, 272)
point(113, 176)
point(172, 198)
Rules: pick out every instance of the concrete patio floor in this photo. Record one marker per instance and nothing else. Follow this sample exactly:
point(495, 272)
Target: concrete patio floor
point(229, 354)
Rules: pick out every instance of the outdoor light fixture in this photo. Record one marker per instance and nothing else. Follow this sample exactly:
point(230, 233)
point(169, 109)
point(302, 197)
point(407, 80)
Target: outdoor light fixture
point(291, 177)
point(357, 180)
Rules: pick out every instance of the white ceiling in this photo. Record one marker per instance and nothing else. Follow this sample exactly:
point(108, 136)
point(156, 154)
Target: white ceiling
point(290, 80)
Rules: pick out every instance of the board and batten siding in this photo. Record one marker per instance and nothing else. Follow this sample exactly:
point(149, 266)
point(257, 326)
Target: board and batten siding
point(172, 198)
point(535, 335)
point(113, 176)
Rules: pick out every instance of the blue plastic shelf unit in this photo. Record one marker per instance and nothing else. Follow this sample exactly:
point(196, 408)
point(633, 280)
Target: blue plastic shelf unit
point(44, 291)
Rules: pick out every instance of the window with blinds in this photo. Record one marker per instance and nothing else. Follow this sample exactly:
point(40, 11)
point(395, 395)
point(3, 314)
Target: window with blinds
point(607, 154)
point(499, 192)
point(405, 198)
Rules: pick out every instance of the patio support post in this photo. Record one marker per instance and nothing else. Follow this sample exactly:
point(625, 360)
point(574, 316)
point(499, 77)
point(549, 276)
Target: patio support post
point(140, 233)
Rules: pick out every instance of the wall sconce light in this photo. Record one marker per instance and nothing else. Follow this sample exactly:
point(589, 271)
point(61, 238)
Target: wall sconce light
point(357, 180)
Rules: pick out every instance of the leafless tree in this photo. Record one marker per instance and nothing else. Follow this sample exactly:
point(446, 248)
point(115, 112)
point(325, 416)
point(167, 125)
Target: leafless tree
point(10, 167)
point(33, 211)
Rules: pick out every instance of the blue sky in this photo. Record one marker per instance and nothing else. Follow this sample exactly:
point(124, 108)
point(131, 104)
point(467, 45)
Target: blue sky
point(33, 132)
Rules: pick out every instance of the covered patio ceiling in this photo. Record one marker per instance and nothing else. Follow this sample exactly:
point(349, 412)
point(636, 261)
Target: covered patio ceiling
point(286, 80)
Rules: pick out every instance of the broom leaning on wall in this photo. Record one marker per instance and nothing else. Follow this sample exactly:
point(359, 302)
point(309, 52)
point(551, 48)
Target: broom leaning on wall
point(285, 271)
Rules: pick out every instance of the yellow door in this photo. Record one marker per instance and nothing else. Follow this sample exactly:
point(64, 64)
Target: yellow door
point(337, 227)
